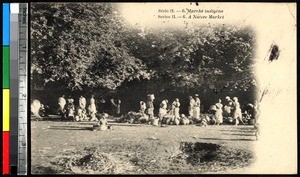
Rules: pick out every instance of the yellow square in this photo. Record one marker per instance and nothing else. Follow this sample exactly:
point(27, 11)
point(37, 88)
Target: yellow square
point(6, 109)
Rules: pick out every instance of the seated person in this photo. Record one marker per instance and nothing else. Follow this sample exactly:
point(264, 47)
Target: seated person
point(79, 114)
point(176, 121)
point(70, 110)
point(203, 122)
point(102, 123)
point(44, 111)
point(213, 120)
point(184, 120)
point(35, 108)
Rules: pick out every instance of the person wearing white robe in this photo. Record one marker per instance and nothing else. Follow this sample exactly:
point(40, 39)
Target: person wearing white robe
point(197, 107)
point(219, 112)
point(142, 107)
point(176, 108)
point(81, 110)
point(237, 114)
point(150, 106)
point(82, 102)
point(62, 103)
point(35, 108)
point(92, 109)
point(162, 110)
point(184, 120)
point(228, 107)
point(102, 124)
point(191, 106)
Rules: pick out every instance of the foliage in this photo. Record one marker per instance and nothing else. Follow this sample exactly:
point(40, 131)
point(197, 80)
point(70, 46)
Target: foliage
point(80, 45)
point(88, 45)
point(214, 57)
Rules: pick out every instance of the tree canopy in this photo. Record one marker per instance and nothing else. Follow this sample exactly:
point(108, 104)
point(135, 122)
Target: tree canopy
point(203, 56)
point(80, 45)
point(89, 45)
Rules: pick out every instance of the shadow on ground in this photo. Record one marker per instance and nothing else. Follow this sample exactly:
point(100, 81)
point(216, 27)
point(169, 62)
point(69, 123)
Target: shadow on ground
point(229, 139)
point(70, 128)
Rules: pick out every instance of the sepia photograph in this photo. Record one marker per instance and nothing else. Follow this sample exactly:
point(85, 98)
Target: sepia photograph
point(163, 88)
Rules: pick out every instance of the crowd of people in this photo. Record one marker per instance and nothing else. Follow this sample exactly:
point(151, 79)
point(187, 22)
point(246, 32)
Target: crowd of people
point(229, 110)
point(219, 113)
point(67, 109)
point(169, 113)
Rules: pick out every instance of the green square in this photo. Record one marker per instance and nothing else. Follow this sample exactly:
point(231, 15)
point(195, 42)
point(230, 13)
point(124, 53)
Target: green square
point(6, 66)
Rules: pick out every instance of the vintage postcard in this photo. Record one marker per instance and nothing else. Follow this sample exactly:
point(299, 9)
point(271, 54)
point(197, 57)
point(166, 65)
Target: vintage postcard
point(163, 88)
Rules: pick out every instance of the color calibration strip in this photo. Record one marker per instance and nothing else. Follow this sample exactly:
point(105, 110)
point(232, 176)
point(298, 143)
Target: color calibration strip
point(23, 89)
point(6, 88)
point(14, 85)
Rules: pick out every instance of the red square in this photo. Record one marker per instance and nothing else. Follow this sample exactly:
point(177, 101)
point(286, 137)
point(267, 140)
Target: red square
point(5, 153)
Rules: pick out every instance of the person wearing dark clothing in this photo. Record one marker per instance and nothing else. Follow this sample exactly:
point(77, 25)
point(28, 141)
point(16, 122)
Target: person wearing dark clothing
point(118, 107)
point(113, 107)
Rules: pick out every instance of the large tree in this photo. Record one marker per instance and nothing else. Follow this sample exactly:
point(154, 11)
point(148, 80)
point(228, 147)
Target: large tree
point(201, 57)
point(88, 45)
point(80, 45)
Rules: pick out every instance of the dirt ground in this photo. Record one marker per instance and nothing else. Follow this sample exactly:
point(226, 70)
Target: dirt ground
point(73, 148)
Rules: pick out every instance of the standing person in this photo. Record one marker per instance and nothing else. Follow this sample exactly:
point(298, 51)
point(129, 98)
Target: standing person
point(101, 105)
point(219, 112)
point(237, 112)
point(142, 107)
point(113, 107)
point(176, 108)
point(92, 109)
point(82, 102)
point(150, 106)
point(118, 107)
point(62, 103)
point(169, 106)
point(70, 109)
point(228, 107)
point(197, 107)
point(191, 106)
point(81, 109)
point(162, 109)
point(250, 110)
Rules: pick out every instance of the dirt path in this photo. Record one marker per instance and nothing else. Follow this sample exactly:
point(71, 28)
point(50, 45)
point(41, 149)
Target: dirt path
point(139, 149)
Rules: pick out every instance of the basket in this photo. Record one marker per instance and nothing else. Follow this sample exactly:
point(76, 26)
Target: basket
point(154, 122)
point(251, 121)
point(230, 119)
